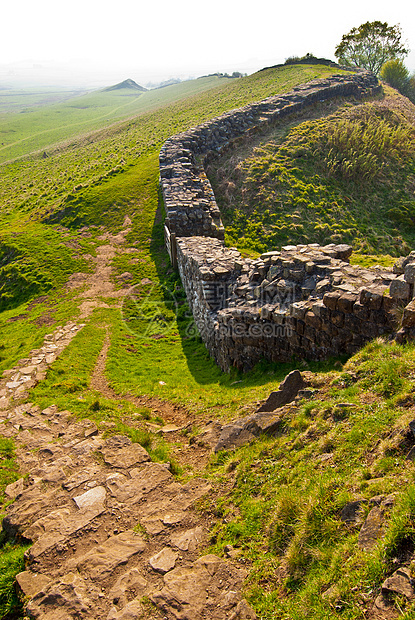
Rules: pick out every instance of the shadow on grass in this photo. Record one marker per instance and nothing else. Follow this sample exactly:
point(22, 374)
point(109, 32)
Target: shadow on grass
point(202, 367)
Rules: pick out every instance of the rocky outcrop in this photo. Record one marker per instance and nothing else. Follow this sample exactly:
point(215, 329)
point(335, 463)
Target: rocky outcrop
point(286, 392)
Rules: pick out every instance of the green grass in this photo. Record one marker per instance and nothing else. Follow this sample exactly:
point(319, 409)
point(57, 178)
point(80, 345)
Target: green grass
point(11, 563)
point(11, 554)
point(14, 100)
point(39, 127)
point(95, 181)
point(283, 510)
point(8, 465)
point(347, 177)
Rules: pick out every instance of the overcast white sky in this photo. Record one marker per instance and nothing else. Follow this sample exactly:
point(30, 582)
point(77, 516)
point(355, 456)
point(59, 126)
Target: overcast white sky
point(99, 42)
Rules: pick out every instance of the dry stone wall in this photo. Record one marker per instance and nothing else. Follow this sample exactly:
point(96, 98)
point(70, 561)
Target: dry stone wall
point(303, 301)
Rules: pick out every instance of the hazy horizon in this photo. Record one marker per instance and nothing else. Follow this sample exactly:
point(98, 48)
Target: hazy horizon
point(93, 44)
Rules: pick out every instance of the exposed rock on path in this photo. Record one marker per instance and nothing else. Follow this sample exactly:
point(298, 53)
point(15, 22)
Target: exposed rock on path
point(108, 525)
point(98, 286)
point(29, 371)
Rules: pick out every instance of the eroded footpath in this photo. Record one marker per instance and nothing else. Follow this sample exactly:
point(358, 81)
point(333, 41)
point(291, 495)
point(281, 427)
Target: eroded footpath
point(114, 535)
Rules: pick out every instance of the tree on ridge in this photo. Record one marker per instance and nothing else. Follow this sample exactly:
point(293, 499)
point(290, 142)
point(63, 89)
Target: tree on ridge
point(371, 45)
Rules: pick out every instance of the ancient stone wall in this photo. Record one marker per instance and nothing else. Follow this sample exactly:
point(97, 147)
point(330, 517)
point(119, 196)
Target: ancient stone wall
point(302, 301)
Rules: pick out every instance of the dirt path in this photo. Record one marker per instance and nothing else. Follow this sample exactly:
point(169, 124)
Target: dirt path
point(97, 287)
point(114, 535)
point(171, 414)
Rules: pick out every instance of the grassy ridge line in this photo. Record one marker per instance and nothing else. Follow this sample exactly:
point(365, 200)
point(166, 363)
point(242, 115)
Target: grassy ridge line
point(345, 177)
point(59, 121)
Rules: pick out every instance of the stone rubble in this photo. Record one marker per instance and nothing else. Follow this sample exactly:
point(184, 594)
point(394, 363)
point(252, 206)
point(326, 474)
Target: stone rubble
point(17, 381)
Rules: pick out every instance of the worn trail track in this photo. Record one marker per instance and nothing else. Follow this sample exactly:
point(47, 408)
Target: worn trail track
point(108, 525)
point(114, 535)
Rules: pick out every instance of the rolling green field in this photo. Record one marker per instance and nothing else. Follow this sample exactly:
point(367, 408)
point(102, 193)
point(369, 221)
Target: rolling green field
point(37, 128)
point(15, 100)
point(278, 500)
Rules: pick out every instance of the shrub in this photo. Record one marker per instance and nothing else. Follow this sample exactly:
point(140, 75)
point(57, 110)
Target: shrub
point(396, 75)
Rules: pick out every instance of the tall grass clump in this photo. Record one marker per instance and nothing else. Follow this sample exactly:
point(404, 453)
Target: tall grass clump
point(360, 145)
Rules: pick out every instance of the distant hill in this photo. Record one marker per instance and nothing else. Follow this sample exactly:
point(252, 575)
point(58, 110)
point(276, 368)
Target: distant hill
point(130, 84)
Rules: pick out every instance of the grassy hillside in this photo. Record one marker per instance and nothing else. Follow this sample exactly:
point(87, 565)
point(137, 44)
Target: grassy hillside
point(37, 128)
point(283, 509)
point(278, 501)
point(348, 177)
point(54, 211)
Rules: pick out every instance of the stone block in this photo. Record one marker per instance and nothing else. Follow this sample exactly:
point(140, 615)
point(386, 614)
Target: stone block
point(300, 327)
point(409, 274)
point(378, 317)
point(310, 333)
point(344, 335)
point(352, 323)
point(323, 286)
point(297, 275)
point(296, 339)
point(388, 303)
point(343, 251)
point(337, 318)
point(298, 310)
point(345, 302)
point(399, 266)
point(408, 319)
point(324, 339)
point(400, 289)
point(330, 300)
point(372, 298)
point(313, 320)
point(369, 330)
point(360, 311)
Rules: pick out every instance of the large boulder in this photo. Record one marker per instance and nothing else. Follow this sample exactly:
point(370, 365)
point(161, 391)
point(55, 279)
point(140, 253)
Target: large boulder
point(286, 392)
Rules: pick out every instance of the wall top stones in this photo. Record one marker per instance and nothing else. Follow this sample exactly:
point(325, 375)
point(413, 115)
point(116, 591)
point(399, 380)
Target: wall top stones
point(298, 301)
